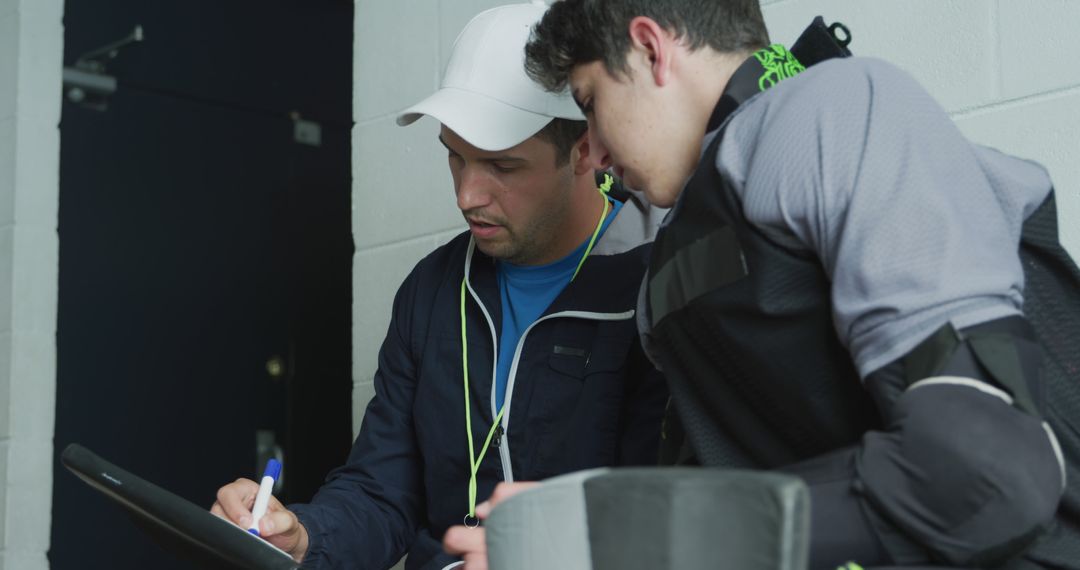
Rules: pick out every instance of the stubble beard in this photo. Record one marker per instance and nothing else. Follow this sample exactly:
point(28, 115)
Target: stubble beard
point(530, 245)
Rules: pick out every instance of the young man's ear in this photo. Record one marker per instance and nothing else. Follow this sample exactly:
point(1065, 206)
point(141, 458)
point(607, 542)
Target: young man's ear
point(654, 46)
point(589, 155)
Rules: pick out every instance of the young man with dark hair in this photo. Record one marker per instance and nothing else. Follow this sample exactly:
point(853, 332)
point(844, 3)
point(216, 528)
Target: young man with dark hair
point(527, 318)
point(846, 288)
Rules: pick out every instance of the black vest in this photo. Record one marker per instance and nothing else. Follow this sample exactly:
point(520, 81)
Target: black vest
point(742, 325)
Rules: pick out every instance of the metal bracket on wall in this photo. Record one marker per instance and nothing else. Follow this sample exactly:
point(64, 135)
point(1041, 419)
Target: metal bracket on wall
point(86, 83)
point(304, 131)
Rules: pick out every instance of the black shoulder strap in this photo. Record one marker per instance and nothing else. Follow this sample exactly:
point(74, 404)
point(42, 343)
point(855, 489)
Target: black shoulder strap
point(817, 43)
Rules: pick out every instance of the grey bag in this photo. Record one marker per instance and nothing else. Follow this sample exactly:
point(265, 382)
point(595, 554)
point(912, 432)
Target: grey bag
point(654, 518)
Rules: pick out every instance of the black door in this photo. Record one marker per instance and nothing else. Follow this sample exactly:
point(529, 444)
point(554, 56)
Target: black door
point(205, 257)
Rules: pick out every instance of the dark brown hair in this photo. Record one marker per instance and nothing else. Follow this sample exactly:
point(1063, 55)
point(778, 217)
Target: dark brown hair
point(574, 32)
point(562, 134)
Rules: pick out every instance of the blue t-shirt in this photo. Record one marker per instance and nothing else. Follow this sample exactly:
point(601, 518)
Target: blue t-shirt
point(526, 292)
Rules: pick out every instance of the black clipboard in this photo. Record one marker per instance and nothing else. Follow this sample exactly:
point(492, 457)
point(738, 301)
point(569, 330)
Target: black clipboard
point(187, 530)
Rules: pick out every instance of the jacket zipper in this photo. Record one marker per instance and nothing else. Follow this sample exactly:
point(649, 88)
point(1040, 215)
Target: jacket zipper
point(504, 449)
point(504, 443)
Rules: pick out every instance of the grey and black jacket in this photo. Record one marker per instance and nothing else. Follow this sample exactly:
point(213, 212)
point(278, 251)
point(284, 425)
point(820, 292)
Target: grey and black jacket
point(849, 290)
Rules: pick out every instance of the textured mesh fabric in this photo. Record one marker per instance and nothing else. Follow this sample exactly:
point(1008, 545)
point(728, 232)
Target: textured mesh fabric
point(1052, 306)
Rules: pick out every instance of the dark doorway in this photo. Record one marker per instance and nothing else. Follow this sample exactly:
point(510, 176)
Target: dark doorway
point(205, 257)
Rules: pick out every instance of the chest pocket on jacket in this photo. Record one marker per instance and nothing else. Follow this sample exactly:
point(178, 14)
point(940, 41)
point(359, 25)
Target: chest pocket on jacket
point(584, 383)
point(578, 403)
point(602, 356)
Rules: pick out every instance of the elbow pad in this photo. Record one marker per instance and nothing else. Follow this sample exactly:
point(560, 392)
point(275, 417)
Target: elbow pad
point(966, 469)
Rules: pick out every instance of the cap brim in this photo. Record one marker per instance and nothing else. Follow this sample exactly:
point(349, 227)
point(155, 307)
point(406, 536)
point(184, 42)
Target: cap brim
point(486, 123)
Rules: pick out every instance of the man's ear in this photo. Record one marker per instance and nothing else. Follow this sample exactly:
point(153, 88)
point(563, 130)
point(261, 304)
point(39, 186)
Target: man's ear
point(653, 44)
point(589, 155)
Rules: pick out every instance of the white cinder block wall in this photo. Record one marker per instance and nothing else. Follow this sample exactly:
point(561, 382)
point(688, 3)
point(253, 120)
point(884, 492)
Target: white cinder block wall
point(1001, 68)
point(1005, 70)
point(403, 196)
point(31, 50)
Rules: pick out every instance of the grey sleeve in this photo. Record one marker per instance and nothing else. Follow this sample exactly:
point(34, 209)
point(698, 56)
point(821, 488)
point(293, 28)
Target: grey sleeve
point(856, 163)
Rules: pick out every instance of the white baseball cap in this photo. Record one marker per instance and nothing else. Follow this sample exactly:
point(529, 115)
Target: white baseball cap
point(486, 97)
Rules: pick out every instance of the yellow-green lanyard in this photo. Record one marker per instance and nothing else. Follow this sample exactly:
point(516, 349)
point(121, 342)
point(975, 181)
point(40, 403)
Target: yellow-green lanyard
point(474, 461)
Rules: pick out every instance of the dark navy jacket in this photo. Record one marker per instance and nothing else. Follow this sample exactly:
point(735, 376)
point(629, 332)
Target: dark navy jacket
point(581, 395)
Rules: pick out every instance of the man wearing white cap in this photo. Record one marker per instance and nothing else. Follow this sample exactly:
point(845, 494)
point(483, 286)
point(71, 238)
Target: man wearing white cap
point(512, 352)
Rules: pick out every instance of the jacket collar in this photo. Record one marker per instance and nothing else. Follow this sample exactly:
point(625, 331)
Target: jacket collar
point(635, 225)
point(767, 67)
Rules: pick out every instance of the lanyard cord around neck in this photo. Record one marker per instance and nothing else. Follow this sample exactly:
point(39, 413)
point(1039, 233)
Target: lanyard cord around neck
point(474, 460)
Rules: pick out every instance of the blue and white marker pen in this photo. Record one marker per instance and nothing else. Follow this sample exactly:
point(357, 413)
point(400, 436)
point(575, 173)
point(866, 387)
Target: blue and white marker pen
point(262, 499)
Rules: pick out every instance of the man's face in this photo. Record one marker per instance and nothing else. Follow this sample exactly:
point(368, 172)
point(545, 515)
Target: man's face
point(636, 124)
point(516, 201)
